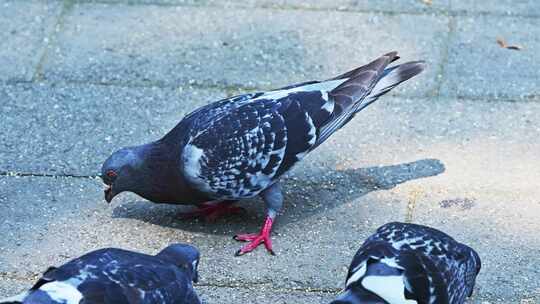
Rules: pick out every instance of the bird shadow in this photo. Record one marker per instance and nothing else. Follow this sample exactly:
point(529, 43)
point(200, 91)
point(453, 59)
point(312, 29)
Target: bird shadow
point(305, 196)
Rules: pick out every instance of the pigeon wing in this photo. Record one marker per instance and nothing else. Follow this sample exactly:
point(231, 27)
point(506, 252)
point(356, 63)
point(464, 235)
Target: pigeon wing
point(134, 282)
point(437, 252)
point(424, 282)
point(243, 150)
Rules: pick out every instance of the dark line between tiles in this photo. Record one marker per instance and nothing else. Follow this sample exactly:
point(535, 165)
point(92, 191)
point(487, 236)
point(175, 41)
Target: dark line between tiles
point(157, 84)
point(239, 89)
point(411, 205)
point(30, 276)
point(55, 175)
point(256, 285)
point(420, 12)
point(67, 5)
point(445, 57)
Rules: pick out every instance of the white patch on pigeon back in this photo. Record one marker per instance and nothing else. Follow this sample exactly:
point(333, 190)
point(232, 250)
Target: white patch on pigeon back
point(328, 106)
point(192, 157)
point(324, 96)
point(398, 244)
point(391, 262)
point(390, 288)
point(324, 86)
point(358, 273)
point(62, 292)
point(312, 136)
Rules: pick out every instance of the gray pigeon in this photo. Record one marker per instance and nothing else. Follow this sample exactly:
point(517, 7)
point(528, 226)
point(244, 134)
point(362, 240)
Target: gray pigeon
point(410, 264)
point(119, 276)
point(239, 147)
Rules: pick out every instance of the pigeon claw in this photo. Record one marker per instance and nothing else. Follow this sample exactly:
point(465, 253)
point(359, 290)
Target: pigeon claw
point(254, 239)
point(246, 237)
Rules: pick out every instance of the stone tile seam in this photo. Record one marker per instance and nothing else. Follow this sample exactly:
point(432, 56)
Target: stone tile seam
point(532, 98)
point(50, 175)
point(441, 67)
point(24, 277)
point(67, 6)
point(231, 88)
point(428, 11)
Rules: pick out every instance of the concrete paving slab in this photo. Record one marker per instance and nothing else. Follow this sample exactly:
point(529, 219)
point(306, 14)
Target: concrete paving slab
point(500, 225)
point(328, 210)
point(25, 27)
point(316, 224)
point(489, 186)
point(457, 163)
point(479, 67)
point(29, 204)
point(507, 7)
point(390, 6)
point(73, 129)
point(333, 201)
point(488, 195)
point(240, 47)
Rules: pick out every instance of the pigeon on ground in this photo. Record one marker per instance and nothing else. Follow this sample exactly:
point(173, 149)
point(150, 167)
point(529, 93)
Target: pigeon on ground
point(119, 276)
point(410, 264)
point(239, 147)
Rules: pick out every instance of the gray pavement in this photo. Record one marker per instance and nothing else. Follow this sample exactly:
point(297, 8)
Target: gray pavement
point(457, 148)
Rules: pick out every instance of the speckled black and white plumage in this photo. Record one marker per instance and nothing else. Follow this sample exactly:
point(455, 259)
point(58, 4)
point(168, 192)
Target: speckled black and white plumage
point(239, 147)
point(409, 263)
point(119, 276)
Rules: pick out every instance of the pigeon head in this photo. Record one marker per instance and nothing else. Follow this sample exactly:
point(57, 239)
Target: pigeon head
point(120, 170)
point(184, 256)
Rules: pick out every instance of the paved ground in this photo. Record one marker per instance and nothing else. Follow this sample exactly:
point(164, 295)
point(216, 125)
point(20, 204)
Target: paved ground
point(457, 148)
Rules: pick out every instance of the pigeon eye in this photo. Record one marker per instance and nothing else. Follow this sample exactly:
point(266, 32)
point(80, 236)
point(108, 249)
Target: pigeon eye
point(111, 174)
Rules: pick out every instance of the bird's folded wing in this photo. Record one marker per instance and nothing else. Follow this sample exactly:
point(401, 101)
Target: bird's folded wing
point(240, 152)
point(137, 283)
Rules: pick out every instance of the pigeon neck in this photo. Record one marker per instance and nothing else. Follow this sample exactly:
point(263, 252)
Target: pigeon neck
point(155, 166)
point(159, 175)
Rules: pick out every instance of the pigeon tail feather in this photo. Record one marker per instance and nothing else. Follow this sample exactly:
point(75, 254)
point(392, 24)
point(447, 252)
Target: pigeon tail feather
point(363, 86)
point(391, 78)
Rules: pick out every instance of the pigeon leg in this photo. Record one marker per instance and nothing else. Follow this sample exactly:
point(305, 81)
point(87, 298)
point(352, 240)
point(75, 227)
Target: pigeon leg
point(213, 210)
point(274, 200)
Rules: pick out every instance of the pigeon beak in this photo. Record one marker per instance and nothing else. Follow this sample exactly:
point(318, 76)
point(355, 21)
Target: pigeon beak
point(109, 194)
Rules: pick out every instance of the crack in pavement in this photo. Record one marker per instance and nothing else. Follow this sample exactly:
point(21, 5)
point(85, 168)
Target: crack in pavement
point(31, 276)
point(32, 174)
point(427, 11)
point(67, 6)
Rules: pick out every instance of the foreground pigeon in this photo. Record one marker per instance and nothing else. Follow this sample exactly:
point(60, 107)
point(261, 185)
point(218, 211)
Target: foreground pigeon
point(239, 147)
point(410, 264)
point(119, 276)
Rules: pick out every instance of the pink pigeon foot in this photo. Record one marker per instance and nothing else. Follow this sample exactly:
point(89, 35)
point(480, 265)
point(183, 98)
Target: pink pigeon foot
point(211, 211)
point(255, 239)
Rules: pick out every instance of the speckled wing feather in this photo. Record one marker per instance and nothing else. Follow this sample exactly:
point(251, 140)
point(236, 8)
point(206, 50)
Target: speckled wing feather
point(350, 96)
point(237, 147)
point(437, 268)
point(242, 151)
point(119, 276)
